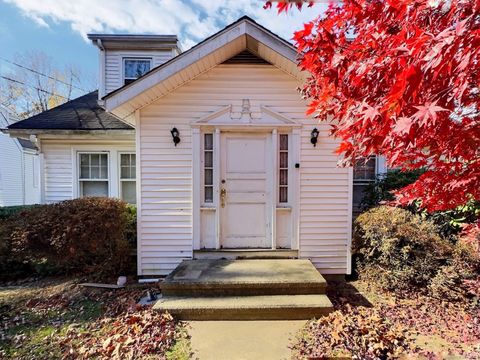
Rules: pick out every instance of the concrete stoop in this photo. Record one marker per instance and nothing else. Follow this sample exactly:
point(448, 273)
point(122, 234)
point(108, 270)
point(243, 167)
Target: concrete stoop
point(244, 290)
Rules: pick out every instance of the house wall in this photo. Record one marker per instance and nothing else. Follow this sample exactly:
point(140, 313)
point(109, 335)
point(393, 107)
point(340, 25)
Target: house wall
point(165, 213)
point(114, 64)
point(11, 171)
point(60, 165)
point(31, 163)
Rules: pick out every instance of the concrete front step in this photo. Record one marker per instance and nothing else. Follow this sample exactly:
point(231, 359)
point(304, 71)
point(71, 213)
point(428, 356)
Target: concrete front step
point(212, 278)
point(273, 307)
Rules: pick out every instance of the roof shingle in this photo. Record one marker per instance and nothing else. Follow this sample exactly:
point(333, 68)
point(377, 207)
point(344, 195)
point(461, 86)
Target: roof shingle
point(82, 113)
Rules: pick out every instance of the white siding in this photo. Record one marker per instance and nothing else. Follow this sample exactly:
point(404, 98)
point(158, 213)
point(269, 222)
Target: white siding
point(58, 172)
point(60, 177)
point(31, 177)
point(11, 172)
point(324, 203)
point(166, 205)
point(114, 64)
point(11, 166)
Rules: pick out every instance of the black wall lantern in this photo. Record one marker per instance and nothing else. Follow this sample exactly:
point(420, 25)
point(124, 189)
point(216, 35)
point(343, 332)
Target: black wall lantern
point(175, 135)
point(314, 138)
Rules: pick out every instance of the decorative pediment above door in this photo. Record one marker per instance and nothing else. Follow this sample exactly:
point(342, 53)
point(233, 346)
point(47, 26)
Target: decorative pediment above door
point(246, 115)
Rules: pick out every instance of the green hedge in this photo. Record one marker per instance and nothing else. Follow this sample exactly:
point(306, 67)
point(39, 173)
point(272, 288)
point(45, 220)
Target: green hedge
point(7, 211)
point(87, 236)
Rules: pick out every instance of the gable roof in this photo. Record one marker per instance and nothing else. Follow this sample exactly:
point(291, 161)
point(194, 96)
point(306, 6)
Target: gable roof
point(243, 34)
point(82, 113)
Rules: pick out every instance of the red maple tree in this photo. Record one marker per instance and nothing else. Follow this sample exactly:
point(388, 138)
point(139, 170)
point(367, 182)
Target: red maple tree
point(401, 79)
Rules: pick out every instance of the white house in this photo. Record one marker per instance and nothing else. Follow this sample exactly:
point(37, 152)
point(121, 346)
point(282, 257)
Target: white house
point(212, 144)
point(19, 167)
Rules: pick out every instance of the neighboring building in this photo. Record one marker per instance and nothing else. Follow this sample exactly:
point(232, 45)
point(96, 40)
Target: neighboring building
point(212, 144)
point(19, 167)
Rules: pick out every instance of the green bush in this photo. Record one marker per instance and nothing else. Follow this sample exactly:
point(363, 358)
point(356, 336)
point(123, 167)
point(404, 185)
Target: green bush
point(449, 222)
point(397, 249)
point(131, 225)
point(382, 189)
point(7, 211)
point(88, 235)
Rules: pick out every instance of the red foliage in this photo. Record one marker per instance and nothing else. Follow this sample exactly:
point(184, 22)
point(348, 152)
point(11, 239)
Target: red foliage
point(401, 79)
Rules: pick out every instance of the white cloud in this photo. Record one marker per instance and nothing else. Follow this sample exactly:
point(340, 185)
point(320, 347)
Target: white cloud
point(191, 20)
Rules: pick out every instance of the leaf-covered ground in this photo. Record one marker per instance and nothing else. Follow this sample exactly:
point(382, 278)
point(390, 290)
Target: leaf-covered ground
point(57, 319)
point(369, 324)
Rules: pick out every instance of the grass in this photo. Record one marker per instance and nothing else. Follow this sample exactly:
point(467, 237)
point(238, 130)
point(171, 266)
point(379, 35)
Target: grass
point(182, 349)
point(54, 317)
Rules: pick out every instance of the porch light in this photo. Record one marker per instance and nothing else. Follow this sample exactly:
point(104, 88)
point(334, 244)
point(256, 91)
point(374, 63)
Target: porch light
point(175, 135)
point(314, 138)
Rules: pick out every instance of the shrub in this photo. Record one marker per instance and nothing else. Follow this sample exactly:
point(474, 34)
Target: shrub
point(383, 187)
point(460, 279)
point(7, 211)
point(88, 235)
point(397, 249)
point(131, 225)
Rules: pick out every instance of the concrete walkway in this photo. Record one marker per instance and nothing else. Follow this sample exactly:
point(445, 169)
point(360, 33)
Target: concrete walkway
point(247, 340)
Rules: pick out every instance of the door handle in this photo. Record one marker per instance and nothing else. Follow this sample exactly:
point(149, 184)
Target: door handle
point(223, 194)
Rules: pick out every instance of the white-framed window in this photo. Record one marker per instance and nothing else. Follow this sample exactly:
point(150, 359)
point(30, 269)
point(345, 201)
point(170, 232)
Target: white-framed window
point(133, 68)
point(208, 168)
point(93, 174)
point(128, 186)
point(283, 168)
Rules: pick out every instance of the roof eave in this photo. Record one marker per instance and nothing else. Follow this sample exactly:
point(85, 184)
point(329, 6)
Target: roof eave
point(21, 133)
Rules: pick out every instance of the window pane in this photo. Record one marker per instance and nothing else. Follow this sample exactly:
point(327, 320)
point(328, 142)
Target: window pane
point(84, 172)
point(124, 172)
point(283, 177)
point(93, 188)
point(84, 159)
point(94, 159)
point(284, 142)
point(125, 159)
point(135, 68)
point(208, 141)
point(95, 172)
point(208, 177)
point(208, 158)
point(104, 172)
point(284, 160)
point(283, 195)
point(208, 194)
point(129, 192)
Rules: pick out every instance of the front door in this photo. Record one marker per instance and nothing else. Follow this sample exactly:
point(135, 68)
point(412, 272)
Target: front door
point(245, 198)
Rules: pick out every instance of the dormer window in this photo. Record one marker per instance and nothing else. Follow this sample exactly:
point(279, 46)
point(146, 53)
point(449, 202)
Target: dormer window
point(133, 68)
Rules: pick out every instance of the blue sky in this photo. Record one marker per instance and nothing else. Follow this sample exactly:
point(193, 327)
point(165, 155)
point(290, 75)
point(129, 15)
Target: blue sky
point(59, 27)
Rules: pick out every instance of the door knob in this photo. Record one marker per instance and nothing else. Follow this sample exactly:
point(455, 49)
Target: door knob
point(223, 194)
